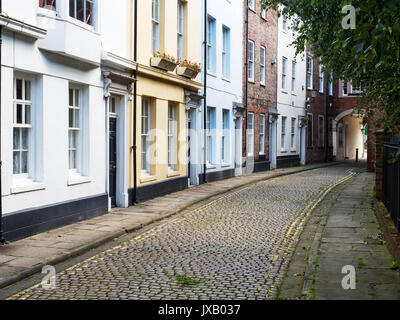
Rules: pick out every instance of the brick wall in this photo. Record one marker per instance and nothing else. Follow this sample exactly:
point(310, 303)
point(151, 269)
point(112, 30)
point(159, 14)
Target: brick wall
point(260, 98)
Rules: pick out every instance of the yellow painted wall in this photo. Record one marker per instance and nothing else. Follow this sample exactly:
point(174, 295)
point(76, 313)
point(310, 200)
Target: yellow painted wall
point(355, 139)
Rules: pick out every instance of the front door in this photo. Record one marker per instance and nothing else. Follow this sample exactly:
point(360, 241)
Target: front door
point(113, 161)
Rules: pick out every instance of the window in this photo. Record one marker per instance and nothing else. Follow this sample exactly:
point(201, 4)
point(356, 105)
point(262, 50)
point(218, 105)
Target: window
point(22, 127)
point(145, 135)
point(283, 133)
point(340, 133)
point(309, 73)
point(74, 130)
point(355, 87)
point(226, 54)
point(262, 65)
point(112, 107)
point(294, 64)
point(210, 125)
point(251, 60)
point(330, 128)
point(81, 10)
point(156, 25)
point(321, 131)
point(309, 130)
point(321, 78)
point(250, 134)
point(284, 72)
point(211, 45)
point(225, 136)
point(252, 5)
point(180, 28)
point(344, 89)
point(171, 136)
point(330, 87)
point(293, 134)
point(262, 133)
point(48, 4)
point(284, 24)
point(264, 14)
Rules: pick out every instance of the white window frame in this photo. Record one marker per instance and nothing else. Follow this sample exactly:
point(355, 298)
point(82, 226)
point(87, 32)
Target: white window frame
point(284, 73)
point(294, 67)
point(145, 144)
point(250, 134)
point(262, 134)
point(171, 136)
point(264, 14)
point(49, 5)
point(251, 61)
point(180, 29)
point(344, 86)
point(310, 67)
point(321, 138)
point(262, 64)
point(210, 118)
point(283, 133)
point(155, 18)
point(76, 107)
point(211, 63)
point(25, 103)
point(225, 52)
point(330, 87)
point(321, 78)
point(284, 24)
point(85, 18)
point(252, 5)
point(293, 134)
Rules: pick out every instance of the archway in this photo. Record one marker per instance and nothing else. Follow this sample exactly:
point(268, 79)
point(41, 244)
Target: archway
point(348, 136)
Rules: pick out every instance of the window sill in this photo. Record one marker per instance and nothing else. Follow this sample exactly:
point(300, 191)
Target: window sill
point(251, 81)
point(262, 84)
point(28, 186)
point(212, 74)
point(285, 92)
point(73, 181)
point(211, 166)
point(261, 154)
point(172, 174)
point(47, 13)
point(293, 150)
point(147, 179)
point(226, 79)
point(81, 24)
point(294, 93)
point(225, 165)
point(283, 151)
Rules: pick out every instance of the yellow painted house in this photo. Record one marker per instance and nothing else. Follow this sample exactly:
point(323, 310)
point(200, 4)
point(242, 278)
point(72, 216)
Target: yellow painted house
point(164, 99)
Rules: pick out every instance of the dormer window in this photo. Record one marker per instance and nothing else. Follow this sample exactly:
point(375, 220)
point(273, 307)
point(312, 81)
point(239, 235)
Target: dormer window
point(48, 4)
point(81, 10)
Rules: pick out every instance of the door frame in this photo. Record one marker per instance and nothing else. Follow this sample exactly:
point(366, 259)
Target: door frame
point(122, 196)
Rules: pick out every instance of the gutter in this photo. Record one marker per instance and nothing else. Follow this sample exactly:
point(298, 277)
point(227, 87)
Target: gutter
point(205, 93)
point(2, 240)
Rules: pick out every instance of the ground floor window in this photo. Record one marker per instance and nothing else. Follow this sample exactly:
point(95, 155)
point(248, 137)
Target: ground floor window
point(321, 132)
point(74, 129)
point(145, 136)
point(171, 136)
point(283, 134)
point(262, 134)
point(293, 134)
point(250, 134)
point(309, 130)
point(210, 125)
point(225, 136)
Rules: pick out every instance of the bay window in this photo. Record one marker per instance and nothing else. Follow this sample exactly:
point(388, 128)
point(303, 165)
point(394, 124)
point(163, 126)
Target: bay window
point(48, 4)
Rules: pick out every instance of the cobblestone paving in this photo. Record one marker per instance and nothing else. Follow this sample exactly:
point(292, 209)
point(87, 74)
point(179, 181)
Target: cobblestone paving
point(236, 247)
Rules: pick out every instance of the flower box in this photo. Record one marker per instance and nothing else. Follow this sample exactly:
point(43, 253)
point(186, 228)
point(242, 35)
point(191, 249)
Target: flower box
point(186, 72)
point(162, 63)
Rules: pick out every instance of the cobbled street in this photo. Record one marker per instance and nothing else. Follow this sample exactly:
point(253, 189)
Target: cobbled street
point(235, 247)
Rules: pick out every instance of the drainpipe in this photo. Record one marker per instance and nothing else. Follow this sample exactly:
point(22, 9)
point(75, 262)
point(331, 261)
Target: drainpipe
point(2, 240)
point(247, 75)
point(205, 93)
point(134, 199)
point(327, 117)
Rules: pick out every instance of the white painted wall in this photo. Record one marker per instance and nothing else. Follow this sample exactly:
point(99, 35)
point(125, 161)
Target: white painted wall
point(290, 104)
point(221, 93)
point(52, 73)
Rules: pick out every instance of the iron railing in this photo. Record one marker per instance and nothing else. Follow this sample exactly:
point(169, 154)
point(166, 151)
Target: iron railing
point(391, 178)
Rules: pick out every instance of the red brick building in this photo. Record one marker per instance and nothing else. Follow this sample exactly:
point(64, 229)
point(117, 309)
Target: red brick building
point(259, 82)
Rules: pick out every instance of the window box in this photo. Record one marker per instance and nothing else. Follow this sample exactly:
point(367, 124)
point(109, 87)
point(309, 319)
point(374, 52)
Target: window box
point(186, 72)
point(162, 63)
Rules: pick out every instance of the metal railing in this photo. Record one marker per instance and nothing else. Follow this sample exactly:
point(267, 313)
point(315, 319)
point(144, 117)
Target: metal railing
point(391, 178)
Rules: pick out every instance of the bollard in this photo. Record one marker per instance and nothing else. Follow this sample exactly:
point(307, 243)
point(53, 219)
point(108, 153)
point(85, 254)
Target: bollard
point(357, 155)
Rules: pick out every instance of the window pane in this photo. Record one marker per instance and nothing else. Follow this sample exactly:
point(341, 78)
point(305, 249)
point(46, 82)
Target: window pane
point(77, 118)
point(71, 97)
point(16, 138)
point(72, 159)
point(24, 162)
point(19, 113)
point(25, 138)
point(72, 139)
point(89, 10)
point(16, 163)
point(71, 118)
point(19, 89)
point(77, 96)
point(27, 90)
point(72, 8)
point(80, 14)
point(28, 114)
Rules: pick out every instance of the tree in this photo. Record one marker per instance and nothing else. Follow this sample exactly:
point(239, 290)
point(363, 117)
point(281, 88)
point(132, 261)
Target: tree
point(368, 54)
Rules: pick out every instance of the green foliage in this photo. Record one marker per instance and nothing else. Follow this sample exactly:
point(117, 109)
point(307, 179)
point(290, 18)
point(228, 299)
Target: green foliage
point(368, 54)
point(394, 265)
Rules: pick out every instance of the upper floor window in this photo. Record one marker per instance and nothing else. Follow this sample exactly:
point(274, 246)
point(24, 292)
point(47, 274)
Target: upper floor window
point(226, 52)
point(211, 45)
point(181, 22)
point(264, 14)
point(262, 65)
point(75, 130)
point(251, 61)
point(355, 87)
point(156, 25)
point(81, 10)
point(310, 65)
point(284, 72)
point(48, 4)
point(321, 78)
point(22, 127)
point(344, 89)
point(294, 65)
point(252, 5)
point(284, 24)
